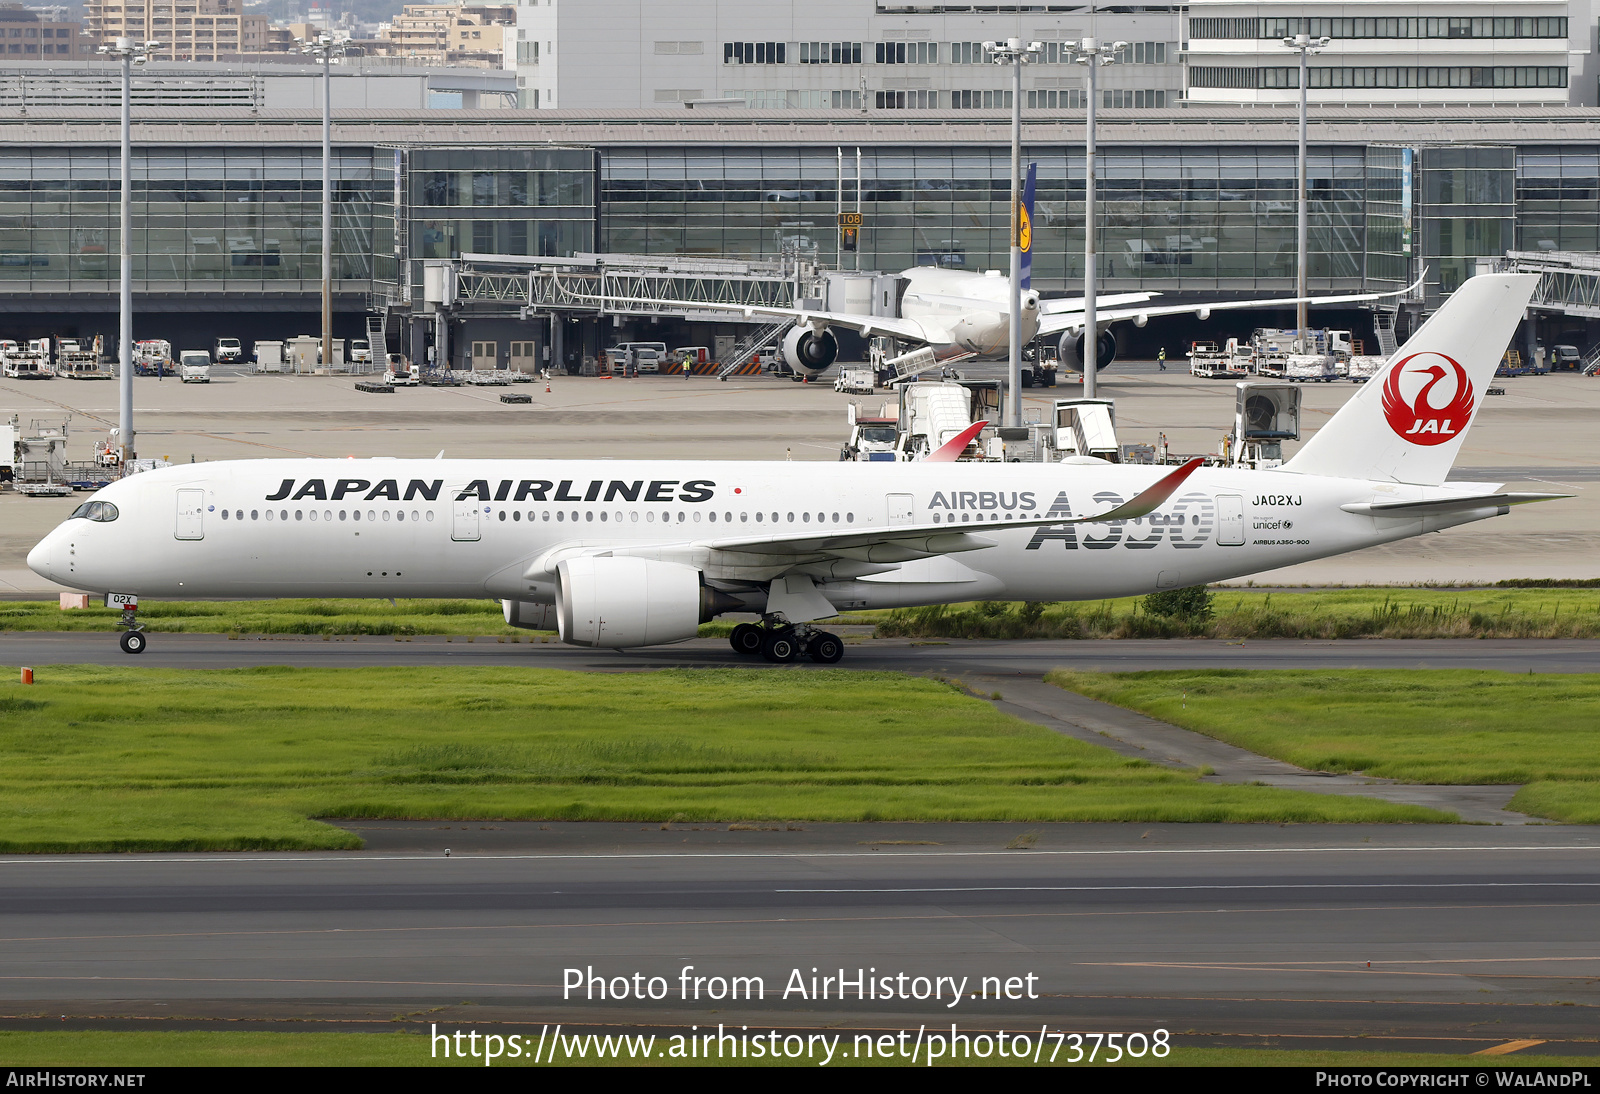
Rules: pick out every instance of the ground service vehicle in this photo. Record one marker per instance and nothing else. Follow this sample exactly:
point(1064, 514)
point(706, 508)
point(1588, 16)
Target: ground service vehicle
point(228, 350)
point(194, 366)
point(152, 357)
point(872, 436)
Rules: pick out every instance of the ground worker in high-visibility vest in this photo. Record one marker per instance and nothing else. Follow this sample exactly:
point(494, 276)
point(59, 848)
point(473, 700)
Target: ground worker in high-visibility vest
point(1161, 358)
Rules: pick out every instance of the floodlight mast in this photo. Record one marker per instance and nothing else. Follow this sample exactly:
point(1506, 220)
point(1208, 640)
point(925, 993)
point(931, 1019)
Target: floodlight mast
point(130, 53)
point(1305, 45)
point(325, 47)
point(1093, 54)
point(1012, 52)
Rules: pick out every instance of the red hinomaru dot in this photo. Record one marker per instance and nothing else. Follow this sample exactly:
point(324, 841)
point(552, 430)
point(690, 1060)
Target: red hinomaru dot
point(738, 490)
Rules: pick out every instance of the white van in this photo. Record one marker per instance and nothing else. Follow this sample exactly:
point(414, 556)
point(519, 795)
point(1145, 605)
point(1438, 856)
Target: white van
point(647, 356)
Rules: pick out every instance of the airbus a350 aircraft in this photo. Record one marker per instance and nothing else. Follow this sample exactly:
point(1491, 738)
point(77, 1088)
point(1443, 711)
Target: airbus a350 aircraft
point(617, 554)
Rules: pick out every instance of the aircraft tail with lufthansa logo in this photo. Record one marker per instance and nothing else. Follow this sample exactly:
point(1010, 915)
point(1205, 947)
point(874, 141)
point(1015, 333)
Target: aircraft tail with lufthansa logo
point(1407, 424)
point(1025, 226)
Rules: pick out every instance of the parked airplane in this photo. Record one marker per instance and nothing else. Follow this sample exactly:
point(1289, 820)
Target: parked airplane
point(960, 315)
point(624, 554)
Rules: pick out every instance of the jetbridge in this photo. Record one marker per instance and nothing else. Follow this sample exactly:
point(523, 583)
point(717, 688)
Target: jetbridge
point(1567, 298)
point(624, 284)
point(1569, 281)
point(554, 312)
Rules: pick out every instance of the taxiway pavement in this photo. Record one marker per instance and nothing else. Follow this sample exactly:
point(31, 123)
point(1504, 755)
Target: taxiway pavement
point(958, 657)
point(1446, 939)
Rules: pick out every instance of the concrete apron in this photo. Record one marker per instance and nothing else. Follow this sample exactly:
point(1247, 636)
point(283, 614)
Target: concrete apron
point(1137, 735)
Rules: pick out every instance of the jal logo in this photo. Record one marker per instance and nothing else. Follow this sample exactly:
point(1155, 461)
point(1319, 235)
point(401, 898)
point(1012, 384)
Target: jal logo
point(1428, 398)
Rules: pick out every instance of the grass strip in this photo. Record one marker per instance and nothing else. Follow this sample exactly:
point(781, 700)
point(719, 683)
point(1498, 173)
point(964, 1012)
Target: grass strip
point(290, 616)
point(1457, 726)
point(1240, 613)
point(160, 1048)
point(129, 758)
point(1542, 612)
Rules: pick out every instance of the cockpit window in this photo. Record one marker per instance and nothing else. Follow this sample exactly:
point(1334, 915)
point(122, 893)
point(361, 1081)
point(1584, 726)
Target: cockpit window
point(102, 511)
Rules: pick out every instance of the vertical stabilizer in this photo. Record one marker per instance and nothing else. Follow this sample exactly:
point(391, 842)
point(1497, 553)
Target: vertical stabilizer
point(1025, 225)
point(1406, 424)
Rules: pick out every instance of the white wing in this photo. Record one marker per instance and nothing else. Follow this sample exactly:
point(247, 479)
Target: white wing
point(910, 330)
point(1054, 323)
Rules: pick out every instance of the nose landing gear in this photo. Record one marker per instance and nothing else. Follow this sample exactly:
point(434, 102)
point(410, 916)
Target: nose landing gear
point(782, 642)
point(133, 639)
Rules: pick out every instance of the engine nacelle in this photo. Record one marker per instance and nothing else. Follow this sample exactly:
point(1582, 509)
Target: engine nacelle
point(528, 615)
point(1071, 349)
point(619, 603)
point(808, 352)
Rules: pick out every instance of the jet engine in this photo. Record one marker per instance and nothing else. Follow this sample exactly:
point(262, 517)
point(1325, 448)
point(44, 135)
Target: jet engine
point(808, 352)
point(622, 602)
point(528, 615)
point(1072, 348)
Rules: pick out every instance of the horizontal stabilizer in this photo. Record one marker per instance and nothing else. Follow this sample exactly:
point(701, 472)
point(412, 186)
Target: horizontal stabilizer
point(1445, 505)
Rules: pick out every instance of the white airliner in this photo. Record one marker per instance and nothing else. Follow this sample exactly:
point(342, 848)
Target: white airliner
point(620, 554)
point(958, 314)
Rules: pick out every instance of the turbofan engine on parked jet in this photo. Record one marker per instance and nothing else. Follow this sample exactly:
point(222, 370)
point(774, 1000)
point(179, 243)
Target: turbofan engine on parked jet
point(808, 351)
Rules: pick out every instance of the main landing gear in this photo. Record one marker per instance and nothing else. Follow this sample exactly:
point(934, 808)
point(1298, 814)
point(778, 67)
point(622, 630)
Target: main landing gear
point(781, 642)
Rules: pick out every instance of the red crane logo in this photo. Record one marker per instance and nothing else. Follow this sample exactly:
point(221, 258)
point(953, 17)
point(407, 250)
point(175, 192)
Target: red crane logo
point(1418, 420)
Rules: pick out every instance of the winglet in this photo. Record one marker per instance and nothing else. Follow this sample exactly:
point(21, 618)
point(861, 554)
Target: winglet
point(1147, 501)
point(947, 452)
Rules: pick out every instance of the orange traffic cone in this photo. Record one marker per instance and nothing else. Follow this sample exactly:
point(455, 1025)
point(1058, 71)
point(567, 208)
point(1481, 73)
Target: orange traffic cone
point(547, 387)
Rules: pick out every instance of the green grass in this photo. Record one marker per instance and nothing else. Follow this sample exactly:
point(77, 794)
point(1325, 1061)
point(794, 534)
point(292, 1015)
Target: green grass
point(1424, 726)
point(129, 758)
point(331, 617)
point(159, 1048)
point(1509, 612)
point(1243, 613)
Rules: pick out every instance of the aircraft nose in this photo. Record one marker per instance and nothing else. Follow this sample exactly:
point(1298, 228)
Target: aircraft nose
point(45, 558)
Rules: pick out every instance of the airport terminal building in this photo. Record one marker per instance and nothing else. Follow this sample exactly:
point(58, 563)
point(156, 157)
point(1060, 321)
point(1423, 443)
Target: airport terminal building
point(1199, 200)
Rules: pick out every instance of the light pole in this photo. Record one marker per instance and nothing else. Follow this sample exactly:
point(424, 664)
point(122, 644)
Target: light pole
point(1012, 52)
point(324, 47)
point(131, 53)
point(1094, 54)
point(1305, 45)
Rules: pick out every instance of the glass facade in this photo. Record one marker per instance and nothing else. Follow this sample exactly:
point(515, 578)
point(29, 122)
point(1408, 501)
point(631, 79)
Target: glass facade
point(512, 201)
point(1205, 217)
point(246, 219)
point(206, 219)
point(1558, 198)
point(1468, 209)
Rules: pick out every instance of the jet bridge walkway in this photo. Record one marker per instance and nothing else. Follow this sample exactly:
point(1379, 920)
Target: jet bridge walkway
point(1569, 281)
point(631, 285)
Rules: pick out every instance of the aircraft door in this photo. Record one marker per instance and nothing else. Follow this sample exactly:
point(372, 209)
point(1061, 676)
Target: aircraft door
point(1230, 520)
point(191, 515)
point(464, 521)
point(900, 508)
